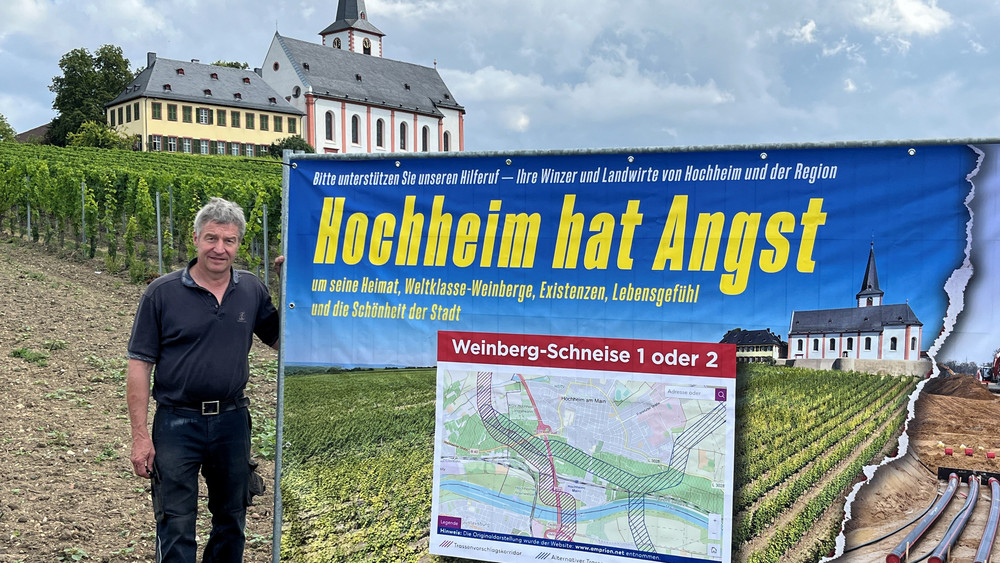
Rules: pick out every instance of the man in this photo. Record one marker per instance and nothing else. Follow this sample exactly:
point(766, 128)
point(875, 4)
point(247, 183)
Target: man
point(196, 326)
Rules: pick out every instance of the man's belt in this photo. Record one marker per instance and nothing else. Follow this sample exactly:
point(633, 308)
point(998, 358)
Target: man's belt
point(209, 408)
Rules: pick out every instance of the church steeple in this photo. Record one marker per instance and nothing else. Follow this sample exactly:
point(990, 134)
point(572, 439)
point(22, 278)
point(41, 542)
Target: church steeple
point(870, 294)
point(352, 30)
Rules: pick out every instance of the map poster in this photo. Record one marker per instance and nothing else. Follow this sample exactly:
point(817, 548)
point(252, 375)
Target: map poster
point(584, 448)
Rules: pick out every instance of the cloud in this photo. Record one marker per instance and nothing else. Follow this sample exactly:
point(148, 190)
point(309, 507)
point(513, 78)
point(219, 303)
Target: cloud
point(804, 34)
point(906, 17)
point(849, 85)
point(24, 16)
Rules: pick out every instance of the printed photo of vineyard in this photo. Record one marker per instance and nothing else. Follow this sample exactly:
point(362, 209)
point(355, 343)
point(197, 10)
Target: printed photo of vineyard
point(357, 478)
point(359, 488)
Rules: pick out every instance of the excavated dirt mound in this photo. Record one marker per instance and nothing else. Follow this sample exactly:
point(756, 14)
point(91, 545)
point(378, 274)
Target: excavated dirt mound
point(964, 386)
point(954, 412)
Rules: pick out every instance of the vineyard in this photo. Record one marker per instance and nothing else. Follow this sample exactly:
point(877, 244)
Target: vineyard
point(110, 202)
point(359, 486)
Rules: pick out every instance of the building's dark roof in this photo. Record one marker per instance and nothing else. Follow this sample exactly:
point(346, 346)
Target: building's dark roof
point(742, 337)
point(351, 14)
point(254, 92)
point(854, 319)
point(36, 135)
point(869, 285)
point(345, 75)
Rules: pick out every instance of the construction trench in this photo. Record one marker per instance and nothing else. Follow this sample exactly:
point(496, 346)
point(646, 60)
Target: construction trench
point(941, 500)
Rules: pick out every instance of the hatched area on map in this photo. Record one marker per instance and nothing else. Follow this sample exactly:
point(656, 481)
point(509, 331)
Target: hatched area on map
point(571, 458)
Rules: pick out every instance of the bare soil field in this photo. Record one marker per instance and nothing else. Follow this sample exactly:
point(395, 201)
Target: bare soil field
point(67, 491)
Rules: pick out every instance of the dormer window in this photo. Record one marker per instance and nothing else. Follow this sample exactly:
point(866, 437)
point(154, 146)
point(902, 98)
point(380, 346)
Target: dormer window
point(166, 87)
point(406, 86)
point(215, 76)
point(180, 72)
point(273, 101)
point(357, 77)
point(237, 96)
point(208, 93)
point(246, 80)
point(305, 66)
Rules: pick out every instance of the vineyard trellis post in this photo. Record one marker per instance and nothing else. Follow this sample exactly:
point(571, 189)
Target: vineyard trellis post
point(83, 212)
point(170, 217)
point(266, 260)
point(159, 235)
point(27, 198)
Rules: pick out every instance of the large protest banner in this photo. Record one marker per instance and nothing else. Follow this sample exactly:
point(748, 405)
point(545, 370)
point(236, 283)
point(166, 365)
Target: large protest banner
point(574, 308)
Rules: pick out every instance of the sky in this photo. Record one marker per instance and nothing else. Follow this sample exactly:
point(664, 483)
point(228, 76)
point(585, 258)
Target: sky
point(584, 74)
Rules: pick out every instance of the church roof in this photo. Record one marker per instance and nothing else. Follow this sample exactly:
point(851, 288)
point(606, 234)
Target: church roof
point(853, 319)
point(869, 285)
point(196, 83)
point(351, 14)
point(349, 76)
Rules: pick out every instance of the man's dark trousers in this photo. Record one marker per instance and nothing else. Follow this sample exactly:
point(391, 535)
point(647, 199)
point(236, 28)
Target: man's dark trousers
point(186, 440)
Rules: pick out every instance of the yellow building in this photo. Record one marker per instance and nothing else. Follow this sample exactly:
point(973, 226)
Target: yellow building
point(189, 107)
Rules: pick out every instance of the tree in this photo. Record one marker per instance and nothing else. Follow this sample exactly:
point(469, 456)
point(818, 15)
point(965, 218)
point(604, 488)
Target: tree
point(86, 84)
point(98, 134)
point(7, 132)
point(232, 64)
point(295, 143)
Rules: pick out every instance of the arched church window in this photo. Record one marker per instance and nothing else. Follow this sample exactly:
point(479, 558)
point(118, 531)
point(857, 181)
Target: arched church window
point(850, 343)
point(868, 343)
point(329, 126)
point(892, 343)
point(355, 129)
point(833, 344)
point(367, 46)
point(336, 42)
point(402, 136)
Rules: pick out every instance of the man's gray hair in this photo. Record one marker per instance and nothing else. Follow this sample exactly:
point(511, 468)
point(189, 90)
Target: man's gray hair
point(221, 211)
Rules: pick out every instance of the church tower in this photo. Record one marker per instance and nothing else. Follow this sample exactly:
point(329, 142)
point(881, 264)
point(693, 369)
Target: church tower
point(870, 294)
point(352, 30)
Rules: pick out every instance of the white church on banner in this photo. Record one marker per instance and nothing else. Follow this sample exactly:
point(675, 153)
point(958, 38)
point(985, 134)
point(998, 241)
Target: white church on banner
point(871, 330)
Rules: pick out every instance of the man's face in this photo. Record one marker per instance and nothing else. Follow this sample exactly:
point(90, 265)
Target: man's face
point(217, 246)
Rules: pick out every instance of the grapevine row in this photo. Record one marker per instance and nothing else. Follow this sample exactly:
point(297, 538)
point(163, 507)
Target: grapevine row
point(769, 510)
point(755, 489)
point(107, 199)
point(788, 535)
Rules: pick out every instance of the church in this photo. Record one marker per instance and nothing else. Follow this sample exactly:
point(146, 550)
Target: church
point(357, 101)
point(871, 330)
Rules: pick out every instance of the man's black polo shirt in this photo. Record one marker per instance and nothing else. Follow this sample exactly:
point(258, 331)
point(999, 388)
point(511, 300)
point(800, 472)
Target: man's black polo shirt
point(200, 347)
